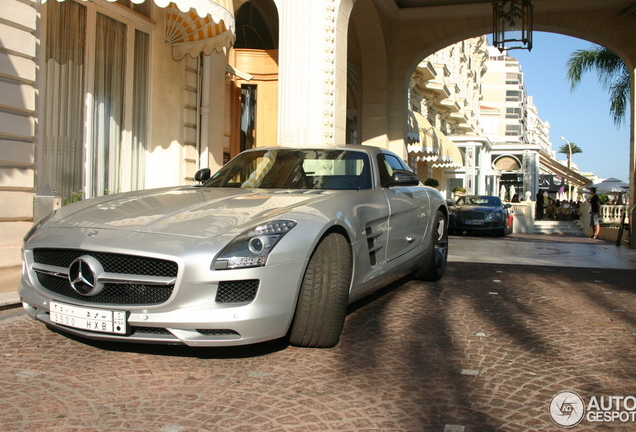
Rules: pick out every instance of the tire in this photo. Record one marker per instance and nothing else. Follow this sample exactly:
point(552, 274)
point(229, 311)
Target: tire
point(324, 295)
point(501, 232)
point(434, 264)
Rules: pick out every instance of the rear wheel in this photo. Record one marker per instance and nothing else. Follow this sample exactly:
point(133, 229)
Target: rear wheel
point(324, 295)
point(434, 265)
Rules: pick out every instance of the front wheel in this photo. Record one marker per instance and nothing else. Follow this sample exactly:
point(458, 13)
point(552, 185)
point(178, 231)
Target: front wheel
point(324, 295)
point(434, 264)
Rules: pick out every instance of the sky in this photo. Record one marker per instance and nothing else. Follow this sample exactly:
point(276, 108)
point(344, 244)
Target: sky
point(581, 116)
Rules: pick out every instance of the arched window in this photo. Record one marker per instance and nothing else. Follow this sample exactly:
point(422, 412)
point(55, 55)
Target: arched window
point(252, 30)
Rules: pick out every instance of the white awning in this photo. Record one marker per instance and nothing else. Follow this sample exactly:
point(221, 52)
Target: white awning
point(550, 165)
point(195, 26)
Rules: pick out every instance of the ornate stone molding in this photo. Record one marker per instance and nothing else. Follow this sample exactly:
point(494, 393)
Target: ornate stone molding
point(329, 72)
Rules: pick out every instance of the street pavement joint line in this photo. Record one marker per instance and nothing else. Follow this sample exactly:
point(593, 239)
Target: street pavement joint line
point(454, 428)
point(171, 428)
point(469, 372)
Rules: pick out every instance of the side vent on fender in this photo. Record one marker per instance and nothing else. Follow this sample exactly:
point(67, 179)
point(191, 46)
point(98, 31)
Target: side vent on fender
point(371, 238)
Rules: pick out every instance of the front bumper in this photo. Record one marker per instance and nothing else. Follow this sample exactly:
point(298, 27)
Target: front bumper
point(482, 226)
point(192, 315)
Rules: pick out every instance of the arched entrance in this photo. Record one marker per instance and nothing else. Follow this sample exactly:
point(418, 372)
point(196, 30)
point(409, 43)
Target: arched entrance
point(411, 30)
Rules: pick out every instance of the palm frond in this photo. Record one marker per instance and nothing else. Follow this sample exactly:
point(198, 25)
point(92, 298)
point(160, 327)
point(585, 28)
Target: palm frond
point(612, 74)
point(619, 93)
point(565, 149)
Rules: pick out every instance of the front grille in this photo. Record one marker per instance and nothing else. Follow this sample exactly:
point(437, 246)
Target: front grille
point(122, 294)
point(472, 215)
point(217, 332)
point(240, 291)
point(111, 262)
point(150, 330)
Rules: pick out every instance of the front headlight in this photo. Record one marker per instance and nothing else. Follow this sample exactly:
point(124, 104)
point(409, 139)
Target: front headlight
point(36, 226)
point(251, 248)
point(494, 216)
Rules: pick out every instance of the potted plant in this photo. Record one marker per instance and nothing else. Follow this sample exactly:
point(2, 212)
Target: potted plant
point(459, 191)
point(431, 182)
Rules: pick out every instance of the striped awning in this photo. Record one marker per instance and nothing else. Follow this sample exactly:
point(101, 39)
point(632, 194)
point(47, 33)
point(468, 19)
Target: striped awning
point(195, 26)
point(450, 155)
point(423, 143)
point(207, 26)
point(427, 143)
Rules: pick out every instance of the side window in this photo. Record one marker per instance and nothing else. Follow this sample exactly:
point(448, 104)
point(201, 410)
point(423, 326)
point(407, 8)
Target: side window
point(387, 164)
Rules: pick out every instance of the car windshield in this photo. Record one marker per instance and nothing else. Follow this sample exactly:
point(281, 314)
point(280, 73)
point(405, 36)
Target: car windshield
point(488, 201)
point(295, 169)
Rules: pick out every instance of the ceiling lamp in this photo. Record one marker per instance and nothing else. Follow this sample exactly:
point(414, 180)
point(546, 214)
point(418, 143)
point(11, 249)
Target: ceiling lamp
point(512, 24)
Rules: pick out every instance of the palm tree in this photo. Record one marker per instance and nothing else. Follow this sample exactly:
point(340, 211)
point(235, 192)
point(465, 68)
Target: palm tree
point(569, 149)
point(612, 74)
point(565, 149)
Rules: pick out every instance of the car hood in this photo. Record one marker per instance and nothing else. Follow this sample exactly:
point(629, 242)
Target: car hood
point(193, 212)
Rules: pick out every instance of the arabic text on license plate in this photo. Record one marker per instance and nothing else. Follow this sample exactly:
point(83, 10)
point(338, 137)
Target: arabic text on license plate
point(98, 320)
point(473, 222)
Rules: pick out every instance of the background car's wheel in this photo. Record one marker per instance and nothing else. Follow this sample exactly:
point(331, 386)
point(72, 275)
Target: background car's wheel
point(434, 265)
point(324, 295)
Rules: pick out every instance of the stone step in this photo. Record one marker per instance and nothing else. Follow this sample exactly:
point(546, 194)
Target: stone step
point(557, 227)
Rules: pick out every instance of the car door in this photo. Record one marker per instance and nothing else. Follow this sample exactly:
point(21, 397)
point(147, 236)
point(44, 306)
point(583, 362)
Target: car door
point(409, 209)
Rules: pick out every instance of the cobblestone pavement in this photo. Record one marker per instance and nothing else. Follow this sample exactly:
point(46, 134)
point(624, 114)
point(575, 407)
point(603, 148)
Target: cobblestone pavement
point(484, 349)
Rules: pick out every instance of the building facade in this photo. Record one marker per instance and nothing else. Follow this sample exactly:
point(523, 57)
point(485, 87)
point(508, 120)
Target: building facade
point(101, 97)
point(444, 102)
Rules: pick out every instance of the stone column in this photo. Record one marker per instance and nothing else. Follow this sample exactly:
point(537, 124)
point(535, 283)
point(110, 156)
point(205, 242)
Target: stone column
point(312, 72)
point(632, 164)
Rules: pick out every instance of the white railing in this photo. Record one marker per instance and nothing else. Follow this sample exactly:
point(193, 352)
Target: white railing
point(612, 214)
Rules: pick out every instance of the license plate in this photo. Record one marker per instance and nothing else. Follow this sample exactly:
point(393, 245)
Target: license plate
point(97, 320)
point(473, 222)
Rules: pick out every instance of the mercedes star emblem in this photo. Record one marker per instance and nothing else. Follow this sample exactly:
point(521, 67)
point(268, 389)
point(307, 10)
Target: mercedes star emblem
point(83, 273)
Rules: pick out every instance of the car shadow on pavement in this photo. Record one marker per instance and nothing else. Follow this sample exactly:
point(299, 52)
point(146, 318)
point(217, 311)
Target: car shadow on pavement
point(461, 347)
point(235, 352)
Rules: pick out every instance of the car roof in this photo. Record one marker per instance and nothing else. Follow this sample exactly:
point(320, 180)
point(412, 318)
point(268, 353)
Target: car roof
point(352, 147)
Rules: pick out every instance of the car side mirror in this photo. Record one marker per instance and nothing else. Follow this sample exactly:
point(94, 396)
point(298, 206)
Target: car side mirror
point(202, 176)
point(507, 206)
point(403, 178)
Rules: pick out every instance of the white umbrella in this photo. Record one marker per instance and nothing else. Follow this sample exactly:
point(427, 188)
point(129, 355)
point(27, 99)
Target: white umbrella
point(502, 193)
point(513, 192)
point(610, 185)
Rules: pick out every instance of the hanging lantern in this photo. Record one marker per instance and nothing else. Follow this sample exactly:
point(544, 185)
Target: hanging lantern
point(512, 24)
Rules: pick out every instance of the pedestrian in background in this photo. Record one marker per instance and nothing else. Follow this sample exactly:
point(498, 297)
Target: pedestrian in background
point(539, 208)
point(594, 213)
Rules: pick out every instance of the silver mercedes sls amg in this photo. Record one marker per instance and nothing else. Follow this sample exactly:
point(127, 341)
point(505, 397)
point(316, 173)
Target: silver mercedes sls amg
point(274, 245)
